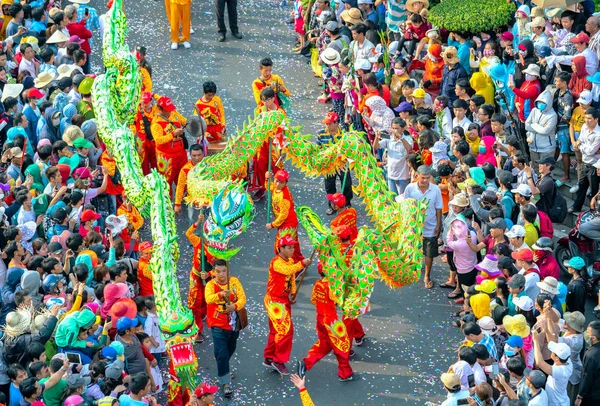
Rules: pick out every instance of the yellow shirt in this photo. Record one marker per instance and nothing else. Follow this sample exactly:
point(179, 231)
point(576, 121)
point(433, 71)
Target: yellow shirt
point(257, 87)
point(577, 118)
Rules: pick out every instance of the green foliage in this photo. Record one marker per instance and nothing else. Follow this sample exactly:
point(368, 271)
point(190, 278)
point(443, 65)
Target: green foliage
point(471, 16)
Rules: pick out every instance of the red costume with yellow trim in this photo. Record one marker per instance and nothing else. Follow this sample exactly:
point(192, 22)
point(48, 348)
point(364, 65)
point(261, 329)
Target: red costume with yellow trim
point(171, 155)
point(182, 182)
point(330, 331)
point(284, 213)
point(353, 327)
point(196, 298)
point(280, 286)
point(145, 145)
point(260, 160)
point(347, 216)
point(214, 115)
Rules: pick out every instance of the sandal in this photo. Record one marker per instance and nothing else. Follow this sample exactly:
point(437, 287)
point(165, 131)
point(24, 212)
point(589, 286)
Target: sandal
point(453, 295)
point(428, 284)
point(447, 285)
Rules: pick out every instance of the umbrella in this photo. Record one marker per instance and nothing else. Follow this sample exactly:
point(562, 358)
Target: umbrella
point(555, 3)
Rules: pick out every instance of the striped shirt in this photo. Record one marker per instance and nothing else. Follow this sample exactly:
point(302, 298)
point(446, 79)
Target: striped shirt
point(489, 343)
point(396, 14)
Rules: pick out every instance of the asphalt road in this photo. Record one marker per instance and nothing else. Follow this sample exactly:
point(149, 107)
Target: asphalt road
point(410, 341)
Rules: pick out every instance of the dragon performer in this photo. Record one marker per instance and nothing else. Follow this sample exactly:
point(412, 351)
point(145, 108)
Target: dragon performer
point(390, 250)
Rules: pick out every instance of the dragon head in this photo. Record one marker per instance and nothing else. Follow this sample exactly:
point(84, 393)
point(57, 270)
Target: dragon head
point(179, 332)
point(230, 214)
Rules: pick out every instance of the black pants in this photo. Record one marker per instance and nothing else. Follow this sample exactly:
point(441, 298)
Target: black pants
point(330, 187)
point(588, 179)
point(410, 48)
point(231, 12)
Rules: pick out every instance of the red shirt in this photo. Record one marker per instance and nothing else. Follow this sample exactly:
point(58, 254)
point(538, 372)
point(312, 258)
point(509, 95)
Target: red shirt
point(82, 32)
point(325, 306)
point(282, 280)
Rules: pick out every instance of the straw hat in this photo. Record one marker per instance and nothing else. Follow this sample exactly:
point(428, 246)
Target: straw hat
point(64, 71)
point(57, 38)
point(18, 322)
point(537, 12)
point(330, 56)
point(410, 3)
point(11, 90)
point(352, 15)
point(516, 325)
point(459, 200)
point(43, 79)
point(450, 56)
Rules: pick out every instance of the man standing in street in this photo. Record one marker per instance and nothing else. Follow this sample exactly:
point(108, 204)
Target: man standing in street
point(167, 129)
point(420, 190)
point(224, 297)
point(281, 290)
point(589, 145)
point(331, 333)
point(233, 18)
point(284, 213)
point(398, 148)
point(346, 216)
point(196, 155)
point(589, 387)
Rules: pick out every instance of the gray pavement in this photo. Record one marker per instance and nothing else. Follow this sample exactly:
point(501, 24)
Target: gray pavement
point(410, 341)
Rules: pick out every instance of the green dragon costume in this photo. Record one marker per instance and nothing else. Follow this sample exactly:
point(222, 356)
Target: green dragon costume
point(390, 250)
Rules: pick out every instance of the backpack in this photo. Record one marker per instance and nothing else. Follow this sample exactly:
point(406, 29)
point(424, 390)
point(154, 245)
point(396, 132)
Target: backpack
point(558, 211)
point(546, 226)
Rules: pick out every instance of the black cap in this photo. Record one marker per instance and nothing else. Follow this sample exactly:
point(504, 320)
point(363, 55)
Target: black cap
point(77, 79)
point(489, 196)
point(65, 83)
point(547, 161)
point(60, 215)
point(55, 248)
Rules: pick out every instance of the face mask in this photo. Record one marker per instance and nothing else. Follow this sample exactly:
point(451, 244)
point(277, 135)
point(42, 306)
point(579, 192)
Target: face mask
point(56, 122)
point(96, 223)
point(530, 77)
point(488, 52)
point(509, 351)
point(399, 71)
point(588, 340)
point(541, 106)
point(523, 53)
point(482, 149)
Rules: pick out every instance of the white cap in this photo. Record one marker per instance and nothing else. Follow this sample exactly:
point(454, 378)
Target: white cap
point(365, 2)
point(585, 97)
point(523, 302)
point(362, 64)
point(515, 231)
point(523, 190)
point(562, 350)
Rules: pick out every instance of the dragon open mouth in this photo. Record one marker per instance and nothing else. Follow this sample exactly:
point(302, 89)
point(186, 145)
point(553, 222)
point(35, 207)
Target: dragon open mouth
point(182, 354)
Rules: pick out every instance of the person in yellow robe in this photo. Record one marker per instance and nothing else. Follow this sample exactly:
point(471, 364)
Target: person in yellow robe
point(179, 17)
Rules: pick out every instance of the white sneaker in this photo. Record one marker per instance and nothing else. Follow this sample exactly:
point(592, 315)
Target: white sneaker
point(574, 189)
point(186, 45)
point(174, 45)
point(192, 31)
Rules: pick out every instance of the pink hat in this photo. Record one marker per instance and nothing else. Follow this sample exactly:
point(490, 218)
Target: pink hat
point(93, 306)
point(75, 39)
point(62, 239)
point(81, 173)
point(112, 293)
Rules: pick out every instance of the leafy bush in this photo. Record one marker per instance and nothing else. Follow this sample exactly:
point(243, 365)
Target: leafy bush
point(471, 16)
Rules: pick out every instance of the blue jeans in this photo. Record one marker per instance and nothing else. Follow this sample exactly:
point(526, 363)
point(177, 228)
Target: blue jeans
point(398, 186)
point(224, 342)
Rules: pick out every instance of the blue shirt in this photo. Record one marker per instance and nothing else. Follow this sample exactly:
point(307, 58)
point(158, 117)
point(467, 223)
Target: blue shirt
point(15, 395)
point(126, 400)
point(489, 343)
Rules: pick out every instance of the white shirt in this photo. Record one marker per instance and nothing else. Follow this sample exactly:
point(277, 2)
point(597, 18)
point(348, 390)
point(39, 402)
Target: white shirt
point(362, 51)
point(556, 384)
point(397, 167)
point(151, 328)
point(541, 399)
point(452, 398)
point(575, 342)
point(28, 66)
point(589, 144)
point(464, 123)
point(434, 195)
point(531, 288)
point(479, 373)
point(463, 370)
point(591, 60)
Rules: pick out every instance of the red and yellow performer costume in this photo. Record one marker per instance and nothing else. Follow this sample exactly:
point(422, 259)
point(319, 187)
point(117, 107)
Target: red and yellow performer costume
point(144, 273)
point(196, 298)
point(346, 216)
point(176, 395)
point(281, 284)
point(171, 155)
point(434, 67)
point(284, 213)
point(141, 126)
point(353, 327)
point(330, 331)
point(273, 81)
point(261, 160)
point(178, 14)
point(182, 183)
point(214, 114)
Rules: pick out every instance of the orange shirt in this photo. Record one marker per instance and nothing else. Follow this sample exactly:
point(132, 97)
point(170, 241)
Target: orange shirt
point(145, 278)
point(445, 196)
point(213, 112)
point(111, 165)
point(216, 315)
point(282, 277)
point(182, 182)
point(133, 215)
point(283, 208)
point(324, 305)
point(348, 218)
point(162, 131)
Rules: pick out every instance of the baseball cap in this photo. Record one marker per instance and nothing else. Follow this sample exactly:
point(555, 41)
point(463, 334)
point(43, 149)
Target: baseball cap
point(580, 38)
point(515, 231)
point(575, 263)
point(516, 281)
point(487, 325)
point(404, 106)
point(125, 323)
point(286, 240)
point(562, 350)
point(515, 341)
point(146, 97)
point(507, 36)
point(523, 190)
point(82, 143)
point(34, 93)
point(205, 389)
point(109, 353)
point(585, 97)
point(450, 380)
point(538, 22)
point(88, 215)
point(55, 247)
point(338, 199)
point(65, 83)
point(115, 370)
point(77, 381)
point(486, 286)
point(537, 378)
point(498, 223)
point(166, 104)
point(524, 254)
point(547, 161)
point(418, 93)
point(59, 215)
point(331, 117)
point(544, 51)
point(523, 302)
point(282, 175)
point(362, 64)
